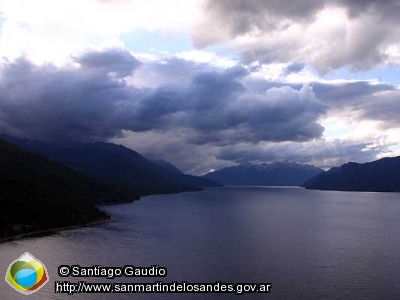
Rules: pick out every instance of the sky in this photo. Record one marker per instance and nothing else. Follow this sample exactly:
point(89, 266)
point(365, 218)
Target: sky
point(206, 84)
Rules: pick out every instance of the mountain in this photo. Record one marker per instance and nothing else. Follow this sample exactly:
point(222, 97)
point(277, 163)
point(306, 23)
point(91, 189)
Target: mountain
point(199, 181)
point(377, 176)
point(273, 174)
point(37, 193)
point(174, 173)
point(117, 164)
point(167, 166)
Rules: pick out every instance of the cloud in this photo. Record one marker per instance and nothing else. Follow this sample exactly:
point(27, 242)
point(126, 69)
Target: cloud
point(1, 20)
point(196, 115)
point(323, 153)
point(349, 93)
point(87, 103)
point(117, 61)
point(220, 109)
point(266, 31)
point(382, 106)
point(50, 103)
point(200, 159)
point(309, 31)
point(195, 108)
point(293, 68)
point(174, 147)
point(389, 8)
point(114, 1)
point(241, 17)
point(363, 100)
point(106, 18)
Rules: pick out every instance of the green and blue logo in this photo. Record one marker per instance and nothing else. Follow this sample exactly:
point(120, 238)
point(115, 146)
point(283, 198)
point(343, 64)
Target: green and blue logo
point(27, 274)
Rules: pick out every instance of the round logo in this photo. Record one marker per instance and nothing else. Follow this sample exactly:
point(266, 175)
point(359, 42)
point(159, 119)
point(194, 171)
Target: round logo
point(27, 274)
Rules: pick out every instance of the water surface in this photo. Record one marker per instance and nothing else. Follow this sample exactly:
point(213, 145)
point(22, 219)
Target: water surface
point(308, 244)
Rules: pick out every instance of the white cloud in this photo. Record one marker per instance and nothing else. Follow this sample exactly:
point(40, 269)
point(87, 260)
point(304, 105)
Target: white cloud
point(347, 127)
point(102, 18)
point(326, 34)
point(201, 56)
point(52, 31)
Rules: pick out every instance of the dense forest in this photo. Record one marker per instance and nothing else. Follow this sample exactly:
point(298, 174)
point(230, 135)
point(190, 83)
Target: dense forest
point(37, 193)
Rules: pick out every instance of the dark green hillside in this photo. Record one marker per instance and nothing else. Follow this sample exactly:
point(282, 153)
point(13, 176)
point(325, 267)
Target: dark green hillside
point(377, 176)
point(118, 164)
point(37, 193)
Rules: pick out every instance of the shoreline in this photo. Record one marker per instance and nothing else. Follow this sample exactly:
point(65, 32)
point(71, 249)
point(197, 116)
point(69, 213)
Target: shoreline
point(54, 230)
point(65, 228)
point(71, 227)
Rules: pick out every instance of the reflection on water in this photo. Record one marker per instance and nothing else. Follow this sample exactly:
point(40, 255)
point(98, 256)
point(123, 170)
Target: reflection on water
point(309, 244)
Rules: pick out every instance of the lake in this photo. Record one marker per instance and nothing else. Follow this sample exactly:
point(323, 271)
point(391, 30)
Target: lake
point(308, 244)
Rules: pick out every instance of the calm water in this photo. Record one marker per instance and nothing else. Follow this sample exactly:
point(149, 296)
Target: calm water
point(308, 244)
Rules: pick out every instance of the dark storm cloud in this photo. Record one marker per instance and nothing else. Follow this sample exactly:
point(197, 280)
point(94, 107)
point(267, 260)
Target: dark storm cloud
point(120, 62)
point(211, 118)
point(221, 109)
point(87, 103)
point(50, 103)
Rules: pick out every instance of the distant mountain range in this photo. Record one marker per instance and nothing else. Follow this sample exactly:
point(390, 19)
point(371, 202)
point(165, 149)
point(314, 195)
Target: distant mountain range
point(378, 176)
point(44, 185)
point(118, 164)
point(273, 174)
point(37, 193)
